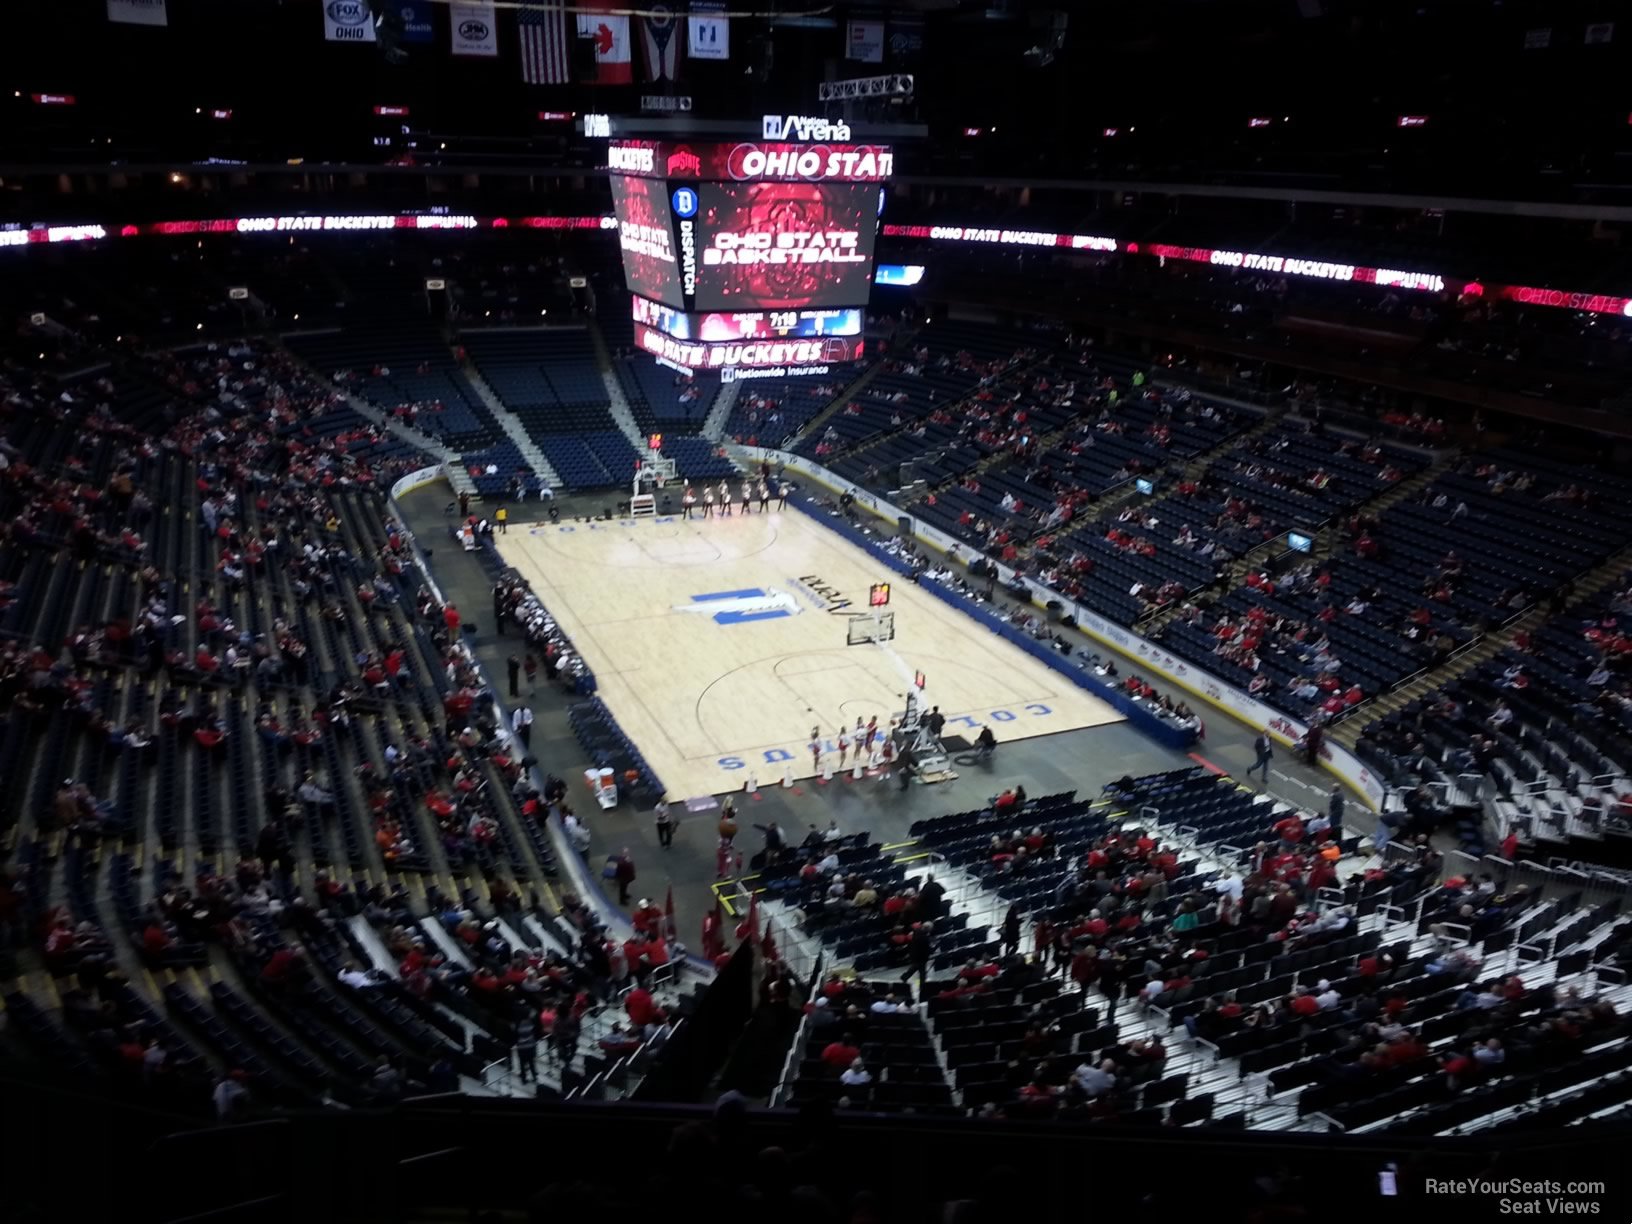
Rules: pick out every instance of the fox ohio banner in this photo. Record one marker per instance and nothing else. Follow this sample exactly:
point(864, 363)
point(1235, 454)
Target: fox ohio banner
point(348, 21)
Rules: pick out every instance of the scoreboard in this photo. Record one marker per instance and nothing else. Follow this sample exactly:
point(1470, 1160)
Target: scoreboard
point(752, 253)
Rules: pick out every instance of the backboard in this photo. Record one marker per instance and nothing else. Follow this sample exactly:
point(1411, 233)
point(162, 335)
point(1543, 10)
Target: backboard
point(870, 627)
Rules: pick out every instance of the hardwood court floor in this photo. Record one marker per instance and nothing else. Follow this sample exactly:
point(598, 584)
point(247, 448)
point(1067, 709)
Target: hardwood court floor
point(718, 644)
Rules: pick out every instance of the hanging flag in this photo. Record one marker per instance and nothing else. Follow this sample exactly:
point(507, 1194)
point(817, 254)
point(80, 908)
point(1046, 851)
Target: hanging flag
point(610, 34)
point(416, 20)
point(865, 42)
point(713, 940)
point(475, 30)
point(659, 46)
point(544, 45)
point(138, 12)
point(748, 928)
point(348, 21)
point(710, 33)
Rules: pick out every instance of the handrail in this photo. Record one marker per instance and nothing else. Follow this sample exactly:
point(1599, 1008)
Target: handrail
point(440, 1152)
point(216, 1213)
point(1449, 928)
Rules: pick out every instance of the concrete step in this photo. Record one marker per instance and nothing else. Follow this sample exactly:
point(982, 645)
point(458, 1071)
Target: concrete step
point(720, 413)
point(514, 430)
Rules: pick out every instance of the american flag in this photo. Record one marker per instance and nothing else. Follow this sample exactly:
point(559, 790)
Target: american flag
point(544, 45)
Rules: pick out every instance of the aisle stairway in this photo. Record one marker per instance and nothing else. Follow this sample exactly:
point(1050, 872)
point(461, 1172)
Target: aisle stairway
point(720, 413)
point(513, 429)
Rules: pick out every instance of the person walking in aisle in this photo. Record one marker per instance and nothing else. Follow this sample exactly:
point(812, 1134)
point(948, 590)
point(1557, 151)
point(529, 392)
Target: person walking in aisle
point(919, 947)
point(665, 824)
point(531, 668)
point(464, 506)
point(1264, 751)
point(522, 723)
point(1335, 803)
point(527, 1049)
point(513, 666)
point(624, 873)
point(1011, 931)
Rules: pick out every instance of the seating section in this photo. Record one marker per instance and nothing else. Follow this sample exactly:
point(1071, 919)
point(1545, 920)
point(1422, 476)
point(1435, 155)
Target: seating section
point(270, 728)
point(1545, 723)
point(697, 458)
point(947, 364)
point(404, 368)
point(663, 401)
point(893, 1046)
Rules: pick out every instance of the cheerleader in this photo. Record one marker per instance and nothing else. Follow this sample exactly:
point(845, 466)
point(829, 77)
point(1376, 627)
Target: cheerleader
point(708, 503)
point(764, 497)
point(688, 500)
point(725, 499)
point(816, 749)
point(844, 746)
point(872, 732)
point(747, 497)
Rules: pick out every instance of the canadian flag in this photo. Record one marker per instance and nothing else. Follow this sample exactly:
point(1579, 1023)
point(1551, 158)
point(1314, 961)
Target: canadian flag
point(610, 34)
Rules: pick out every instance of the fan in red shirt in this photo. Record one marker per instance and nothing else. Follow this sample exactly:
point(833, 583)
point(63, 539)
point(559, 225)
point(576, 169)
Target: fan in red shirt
point(1290, 829)
point(1304, 1005)
point(838, 1055)
point(643, 1010)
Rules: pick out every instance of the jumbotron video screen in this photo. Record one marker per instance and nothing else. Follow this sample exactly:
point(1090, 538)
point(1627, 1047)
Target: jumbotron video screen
point(785, 246)
point(646, 238)
point(773, 231)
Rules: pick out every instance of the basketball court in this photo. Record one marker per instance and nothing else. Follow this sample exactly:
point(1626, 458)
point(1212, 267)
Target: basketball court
point(718, 644)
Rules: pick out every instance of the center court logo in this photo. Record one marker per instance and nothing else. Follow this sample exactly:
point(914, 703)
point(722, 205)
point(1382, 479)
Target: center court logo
point(744, 606)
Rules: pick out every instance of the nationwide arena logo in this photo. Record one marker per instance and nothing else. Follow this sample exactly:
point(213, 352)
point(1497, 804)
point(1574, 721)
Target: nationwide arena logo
point(803, 127)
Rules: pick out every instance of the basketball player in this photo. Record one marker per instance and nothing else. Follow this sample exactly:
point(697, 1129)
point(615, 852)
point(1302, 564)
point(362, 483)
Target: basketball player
point(747, 497)
point(816, 749)
point(843, 738)
point(764, 497)
point(725, 499)
point(688, 499)
point(708, 502)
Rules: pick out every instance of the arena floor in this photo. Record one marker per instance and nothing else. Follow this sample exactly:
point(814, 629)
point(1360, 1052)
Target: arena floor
point(718, 644)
